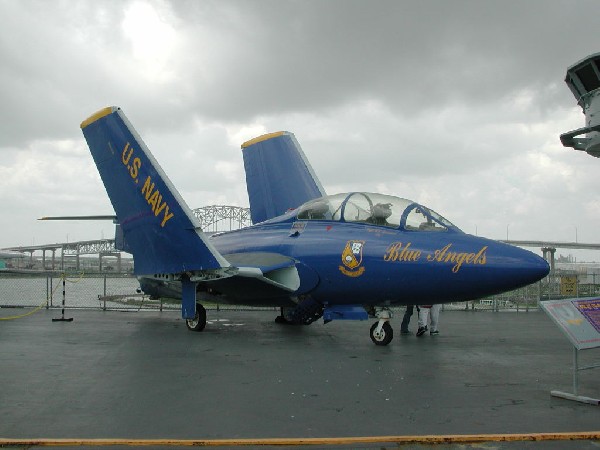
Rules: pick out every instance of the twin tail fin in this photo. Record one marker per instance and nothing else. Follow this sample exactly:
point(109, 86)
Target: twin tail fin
point(278, 175)
point(161, 231)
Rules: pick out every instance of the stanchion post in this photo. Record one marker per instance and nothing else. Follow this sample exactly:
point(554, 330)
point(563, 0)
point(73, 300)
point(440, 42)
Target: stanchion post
point(62, 317)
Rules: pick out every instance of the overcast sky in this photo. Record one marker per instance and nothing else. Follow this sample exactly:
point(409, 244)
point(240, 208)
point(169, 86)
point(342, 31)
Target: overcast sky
point(455, 104)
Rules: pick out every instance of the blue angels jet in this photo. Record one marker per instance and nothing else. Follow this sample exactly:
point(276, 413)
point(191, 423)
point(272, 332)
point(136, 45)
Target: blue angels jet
point(343, 256)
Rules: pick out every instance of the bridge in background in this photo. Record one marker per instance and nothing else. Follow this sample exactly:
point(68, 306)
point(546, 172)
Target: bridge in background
point(68, 250)
point(549, 248)
point(212, 219)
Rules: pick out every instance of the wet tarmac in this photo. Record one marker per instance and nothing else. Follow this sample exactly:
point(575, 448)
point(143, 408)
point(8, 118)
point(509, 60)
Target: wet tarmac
point(142, 375)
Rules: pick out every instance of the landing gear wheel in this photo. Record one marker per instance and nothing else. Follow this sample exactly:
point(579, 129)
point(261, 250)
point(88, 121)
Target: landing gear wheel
point(385, 336)
point(199, 321)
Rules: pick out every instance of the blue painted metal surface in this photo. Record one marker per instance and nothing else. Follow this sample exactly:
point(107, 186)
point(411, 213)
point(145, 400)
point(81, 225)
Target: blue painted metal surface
point(345, 312)
point(188, 299)
point(396, 266)
point(157, 225)
point(278, 175)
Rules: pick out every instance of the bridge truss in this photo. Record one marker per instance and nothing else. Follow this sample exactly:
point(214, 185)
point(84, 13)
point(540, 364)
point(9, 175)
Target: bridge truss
point(217, 218)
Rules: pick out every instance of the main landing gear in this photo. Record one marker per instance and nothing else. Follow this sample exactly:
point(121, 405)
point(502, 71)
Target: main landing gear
point(304, 313)
point(381, 331)
point(198, 323)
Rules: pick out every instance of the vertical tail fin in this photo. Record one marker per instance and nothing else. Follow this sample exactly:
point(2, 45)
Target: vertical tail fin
point(278, 175)
point(160, 230)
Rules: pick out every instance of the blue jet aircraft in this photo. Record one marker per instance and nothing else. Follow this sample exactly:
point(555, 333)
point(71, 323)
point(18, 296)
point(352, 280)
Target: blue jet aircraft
point(344, 256)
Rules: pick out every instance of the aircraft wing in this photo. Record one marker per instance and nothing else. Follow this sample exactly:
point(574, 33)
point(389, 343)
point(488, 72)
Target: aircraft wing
point(260, 276)
point(278, 175)
point(112, 217)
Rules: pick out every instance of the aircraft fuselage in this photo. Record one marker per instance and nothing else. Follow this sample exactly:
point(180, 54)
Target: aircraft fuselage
point(349, 263)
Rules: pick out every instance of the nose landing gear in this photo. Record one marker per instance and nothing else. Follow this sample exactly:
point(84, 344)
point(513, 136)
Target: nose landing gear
point(381, 331)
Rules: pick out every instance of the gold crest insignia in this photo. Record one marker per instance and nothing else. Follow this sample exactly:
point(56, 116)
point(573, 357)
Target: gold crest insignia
point(352, 259)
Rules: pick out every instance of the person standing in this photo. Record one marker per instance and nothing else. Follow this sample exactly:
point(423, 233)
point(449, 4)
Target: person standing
point(406, 319)
point(429, 314)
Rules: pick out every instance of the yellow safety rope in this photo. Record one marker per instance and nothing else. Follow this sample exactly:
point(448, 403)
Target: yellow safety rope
point(45, 302)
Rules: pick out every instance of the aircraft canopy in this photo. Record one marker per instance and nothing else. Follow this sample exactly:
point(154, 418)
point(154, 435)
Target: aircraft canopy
point(376, 209)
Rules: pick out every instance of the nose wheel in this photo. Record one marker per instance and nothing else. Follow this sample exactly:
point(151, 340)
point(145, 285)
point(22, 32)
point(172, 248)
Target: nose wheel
point(382, 332)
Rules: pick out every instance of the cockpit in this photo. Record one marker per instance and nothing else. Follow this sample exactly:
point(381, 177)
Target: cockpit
point(376, 209)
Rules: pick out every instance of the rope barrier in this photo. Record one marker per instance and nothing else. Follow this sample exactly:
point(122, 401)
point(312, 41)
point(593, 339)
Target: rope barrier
point(64, 278)
point(45, 302)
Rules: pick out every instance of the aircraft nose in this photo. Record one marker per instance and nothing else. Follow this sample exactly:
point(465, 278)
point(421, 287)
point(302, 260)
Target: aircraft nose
point(535, 267)
point(521, 266)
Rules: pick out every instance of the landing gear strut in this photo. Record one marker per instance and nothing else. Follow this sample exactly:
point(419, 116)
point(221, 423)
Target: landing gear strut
point(198, 323)
point(304, 313)
point(381, 331)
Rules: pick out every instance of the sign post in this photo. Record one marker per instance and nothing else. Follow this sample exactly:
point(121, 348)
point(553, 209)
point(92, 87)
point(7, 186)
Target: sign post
point(579, 319)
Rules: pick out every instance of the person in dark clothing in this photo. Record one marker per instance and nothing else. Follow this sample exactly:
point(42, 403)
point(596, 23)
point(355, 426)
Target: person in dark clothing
point(406, 319)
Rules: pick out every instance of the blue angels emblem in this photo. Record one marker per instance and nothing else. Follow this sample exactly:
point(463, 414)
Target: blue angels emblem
point(352, 259)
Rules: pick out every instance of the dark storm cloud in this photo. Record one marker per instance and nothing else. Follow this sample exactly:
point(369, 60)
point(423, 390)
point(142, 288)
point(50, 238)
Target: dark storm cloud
point(242, 59)
point(413, 56)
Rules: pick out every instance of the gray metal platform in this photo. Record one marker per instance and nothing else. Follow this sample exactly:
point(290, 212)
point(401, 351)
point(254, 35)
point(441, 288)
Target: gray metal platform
point(144, 376)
